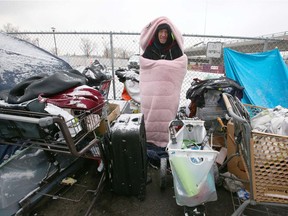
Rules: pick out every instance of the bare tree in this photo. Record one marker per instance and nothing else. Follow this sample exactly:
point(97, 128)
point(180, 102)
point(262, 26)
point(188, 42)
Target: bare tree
point(9, 28)
point(106, 51)
point(117, 52)
point(121, 53)
point(87, 46)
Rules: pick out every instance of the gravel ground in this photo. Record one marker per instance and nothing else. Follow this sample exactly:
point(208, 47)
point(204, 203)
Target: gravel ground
point(157, 202)
point(80, 196)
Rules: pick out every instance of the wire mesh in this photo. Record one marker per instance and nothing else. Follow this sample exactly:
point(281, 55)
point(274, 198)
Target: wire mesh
point(113, 50)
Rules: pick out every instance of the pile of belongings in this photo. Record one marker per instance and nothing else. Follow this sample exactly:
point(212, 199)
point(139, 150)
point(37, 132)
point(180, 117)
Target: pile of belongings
point(60, 93)
point(199, 90)
point(273, 121)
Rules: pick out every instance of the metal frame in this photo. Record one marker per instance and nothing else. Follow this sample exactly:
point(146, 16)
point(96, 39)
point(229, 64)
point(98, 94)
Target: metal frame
point(243, 130)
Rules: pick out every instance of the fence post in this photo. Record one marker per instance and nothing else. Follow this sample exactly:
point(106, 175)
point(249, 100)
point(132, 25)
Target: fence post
point(112, 64)
point(53, 30)
point(265, 45)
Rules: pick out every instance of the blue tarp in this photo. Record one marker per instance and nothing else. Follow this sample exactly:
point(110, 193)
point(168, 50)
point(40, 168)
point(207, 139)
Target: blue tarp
point(263, 75)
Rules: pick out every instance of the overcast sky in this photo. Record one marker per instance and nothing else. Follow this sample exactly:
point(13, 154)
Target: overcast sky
point(249, 18)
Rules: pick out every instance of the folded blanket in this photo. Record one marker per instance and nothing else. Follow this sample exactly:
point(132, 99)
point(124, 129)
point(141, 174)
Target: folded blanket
point(160, 86)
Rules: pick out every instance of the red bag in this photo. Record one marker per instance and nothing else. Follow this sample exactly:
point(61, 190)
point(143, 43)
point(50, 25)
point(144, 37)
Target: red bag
point(80, 98)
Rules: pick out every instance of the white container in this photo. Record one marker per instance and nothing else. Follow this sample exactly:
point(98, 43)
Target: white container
point(192, 170)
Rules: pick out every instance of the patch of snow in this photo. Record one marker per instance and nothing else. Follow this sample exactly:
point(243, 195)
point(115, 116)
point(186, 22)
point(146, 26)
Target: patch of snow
point(18, 175)
point(20, 60)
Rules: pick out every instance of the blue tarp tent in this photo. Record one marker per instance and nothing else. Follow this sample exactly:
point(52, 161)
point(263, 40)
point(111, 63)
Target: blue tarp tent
point(263, 75)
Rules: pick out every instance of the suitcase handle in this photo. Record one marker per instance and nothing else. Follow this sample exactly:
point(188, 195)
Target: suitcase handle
point(126, 119)
point(137, 119)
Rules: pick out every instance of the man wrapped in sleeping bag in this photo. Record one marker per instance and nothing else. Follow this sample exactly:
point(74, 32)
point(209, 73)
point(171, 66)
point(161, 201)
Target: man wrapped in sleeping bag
point(163, 67)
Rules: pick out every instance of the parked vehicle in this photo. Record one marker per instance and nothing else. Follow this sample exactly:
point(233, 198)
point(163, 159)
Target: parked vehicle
point(133, 62)
point(39, 148)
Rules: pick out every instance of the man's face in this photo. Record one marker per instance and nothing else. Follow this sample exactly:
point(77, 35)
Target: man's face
point(162, 36)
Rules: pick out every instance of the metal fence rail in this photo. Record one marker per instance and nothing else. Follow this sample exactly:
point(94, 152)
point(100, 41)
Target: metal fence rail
point(113, 49)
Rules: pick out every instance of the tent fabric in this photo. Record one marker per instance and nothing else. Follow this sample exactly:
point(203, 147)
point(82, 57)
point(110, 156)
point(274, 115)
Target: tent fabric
point(263, 75)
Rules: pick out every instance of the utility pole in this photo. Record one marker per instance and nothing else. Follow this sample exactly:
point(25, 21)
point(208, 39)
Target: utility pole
point(53, 30)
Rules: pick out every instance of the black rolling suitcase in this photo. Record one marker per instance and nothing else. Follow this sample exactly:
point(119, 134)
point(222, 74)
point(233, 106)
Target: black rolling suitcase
point(129, 156)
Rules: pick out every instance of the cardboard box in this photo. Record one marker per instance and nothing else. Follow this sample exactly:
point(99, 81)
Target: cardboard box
point(218, 141)
point(113, 113)
point(124, 105)
point(236, 165)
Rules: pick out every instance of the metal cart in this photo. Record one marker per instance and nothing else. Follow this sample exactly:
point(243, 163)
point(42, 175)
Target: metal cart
point(264, 154)
point(56, 138)
point(191, 160)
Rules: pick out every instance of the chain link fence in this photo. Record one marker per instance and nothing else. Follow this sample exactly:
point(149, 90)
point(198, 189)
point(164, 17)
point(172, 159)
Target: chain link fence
point(112, 49)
